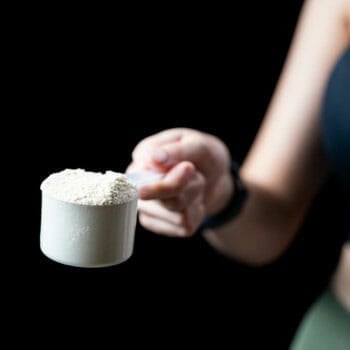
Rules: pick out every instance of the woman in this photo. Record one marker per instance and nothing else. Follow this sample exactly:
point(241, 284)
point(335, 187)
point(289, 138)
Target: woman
point(302, 137)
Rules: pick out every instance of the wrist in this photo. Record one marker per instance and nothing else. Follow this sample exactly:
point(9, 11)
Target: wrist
point(233, 202)
point(220, 195)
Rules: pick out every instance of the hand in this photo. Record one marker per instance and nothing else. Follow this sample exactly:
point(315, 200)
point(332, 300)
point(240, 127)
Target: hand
point(197, 181)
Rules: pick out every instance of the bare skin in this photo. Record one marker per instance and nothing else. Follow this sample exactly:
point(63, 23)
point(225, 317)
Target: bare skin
point(283, 171)
point(341, 280)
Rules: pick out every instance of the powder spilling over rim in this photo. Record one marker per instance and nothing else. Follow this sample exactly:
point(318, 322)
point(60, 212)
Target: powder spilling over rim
point(89, 188)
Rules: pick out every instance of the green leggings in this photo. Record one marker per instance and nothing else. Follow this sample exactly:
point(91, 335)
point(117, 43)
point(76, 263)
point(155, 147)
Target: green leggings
point(325, 327)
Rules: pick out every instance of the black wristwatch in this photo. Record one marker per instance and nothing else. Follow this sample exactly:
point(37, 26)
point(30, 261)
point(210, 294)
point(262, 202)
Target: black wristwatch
point(233, 207)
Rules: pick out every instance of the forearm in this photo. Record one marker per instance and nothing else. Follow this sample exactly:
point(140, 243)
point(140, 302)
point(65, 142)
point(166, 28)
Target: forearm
point(273, 211)
point(261, 232)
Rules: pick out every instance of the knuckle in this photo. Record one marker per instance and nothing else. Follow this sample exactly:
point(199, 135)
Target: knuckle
point(143, 147)
point(176, 152)
point(189, 167)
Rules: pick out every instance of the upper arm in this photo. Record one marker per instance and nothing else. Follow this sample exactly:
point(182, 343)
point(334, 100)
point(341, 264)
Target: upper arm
point(287, 158)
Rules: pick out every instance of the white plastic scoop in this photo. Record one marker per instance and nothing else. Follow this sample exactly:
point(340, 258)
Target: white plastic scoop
point(91, 235)
point(144, 177)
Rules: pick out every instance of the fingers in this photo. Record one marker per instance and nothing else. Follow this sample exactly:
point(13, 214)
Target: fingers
point(172, 184)
point(148, 145)
point(193, 190)
point(168, 148)
point(156, 218)
point(156, 209)
point(161, 227)
point(178, 209)
point(209, 155)
point(192, 149)
point(165, 150)
point(194, 163)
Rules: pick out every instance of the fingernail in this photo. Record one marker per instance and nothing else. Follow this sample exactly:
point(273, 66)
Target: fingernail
point(160, 156)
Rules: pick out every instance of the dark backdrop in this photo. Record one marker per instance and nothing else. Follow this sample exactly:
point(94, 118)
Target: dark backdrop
point(96, 86)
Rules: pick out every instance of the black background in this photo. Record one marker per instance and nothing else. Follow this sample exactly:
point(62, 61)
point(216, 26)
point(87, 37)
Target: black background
point(95, 85)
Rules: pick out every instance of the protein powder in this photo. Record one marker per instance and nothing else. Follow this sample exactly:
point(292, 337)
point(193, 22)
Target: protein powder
point(89, 188)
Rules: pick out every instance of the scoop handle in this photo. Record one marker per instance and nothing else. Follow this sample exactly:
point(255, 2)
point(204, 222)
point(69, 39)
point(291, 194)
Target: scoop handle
point(141, 178)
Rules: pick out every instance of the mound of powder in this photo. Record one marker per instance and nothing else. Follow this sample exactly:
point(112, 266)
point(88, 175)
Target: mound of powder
point(89, 188)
